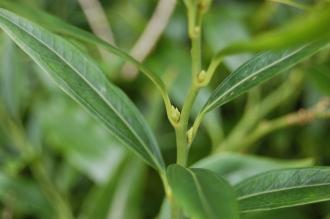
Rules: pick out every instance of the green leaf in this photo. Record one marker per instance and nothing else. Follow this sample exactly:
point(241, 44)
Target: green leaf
point(300, 30)
point(259, 69)
point(202, 194)
point(284, 188)
point(13, 79)
point(292, 213)
point(119, 197)
point(236, 167)
point(78, 76)
point(129, 190)
point(59, 26)
point(165, 210)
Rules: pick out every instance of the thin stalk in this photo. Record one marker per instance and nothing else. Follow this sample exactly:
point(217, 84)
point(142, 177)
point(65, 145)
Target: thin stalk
point(301, 117)
point(195, 15)
point(182, 128)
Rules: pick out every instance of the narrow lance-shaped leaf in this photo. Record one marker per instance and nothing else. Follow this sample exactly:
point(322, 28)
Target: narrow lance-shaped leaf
point(259, 69)
point(83, 80)
point(236, 167)
point(202, 194)
point(129, 190)
point(284, 188)
point(59, 26)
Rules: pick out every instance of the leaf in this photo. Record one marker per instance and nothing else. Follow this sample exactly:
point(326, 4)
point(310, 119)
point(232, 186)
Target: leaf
point(119, 197)
point(284, 188)
point(13, 79)
point(78, 76)
point(129, 190)
point(237, 167)
point(202, 194)
point(292, 213)
point(259, 69)
point(59, 26)
point(300, 30)
point(165, 210)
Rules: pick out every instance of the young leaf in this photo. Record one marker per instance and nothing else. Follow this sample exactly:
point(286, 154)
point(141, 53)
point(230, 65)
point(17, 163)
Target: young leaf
point(202, 194)
point(81, 78)
point(284, 188)
point(259, 69)
point(236, 167)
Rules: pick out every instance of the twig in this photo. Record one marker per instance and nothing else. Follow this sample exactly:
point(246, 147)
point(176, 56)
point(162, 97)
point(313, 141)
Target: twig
point(99, 24)
point(97, 19)
point(150, 36)
point(302, 117)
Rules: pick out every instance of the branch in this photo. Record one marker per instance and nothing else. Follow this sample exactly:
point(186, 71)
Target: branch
point(150, 36)
point(302, 117)
point(97, 19)
point(99, 24)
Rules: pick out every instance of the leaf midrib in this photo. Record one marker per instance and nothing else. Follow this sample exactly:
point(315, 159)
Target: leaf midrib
point(280, 190)
point(206, 207)
point(87, 82)
point(251, 76)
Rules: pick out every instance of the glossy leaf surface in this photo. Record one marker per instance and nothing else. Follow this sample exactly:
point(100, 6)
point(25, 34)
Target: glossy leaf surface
point(259, 69)
point(78, 76)
point(59, 26)
point(236, 167)
point(202, 194)
point(284, 188)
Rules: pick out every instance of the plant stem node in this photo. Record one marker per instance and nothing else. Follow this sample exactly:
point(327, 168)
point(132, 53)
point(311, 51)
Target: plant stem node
point(175, 114)
point(201, 76)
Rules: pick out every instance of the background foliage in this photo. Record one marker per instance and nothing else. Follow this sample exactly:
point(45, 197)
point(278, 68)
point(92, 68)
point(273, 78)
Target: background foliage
point(101, 179)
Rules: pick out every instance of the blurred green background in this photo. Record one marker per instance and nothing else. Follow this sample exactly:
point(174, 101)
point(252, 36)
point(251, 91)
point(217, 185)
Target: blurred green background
point(100, 178)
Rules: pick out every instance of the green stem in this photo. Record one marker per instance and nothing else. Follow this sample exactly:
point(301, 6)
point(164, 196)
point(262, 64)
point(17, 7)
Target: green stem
point(301, 117)
point(182, 128)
